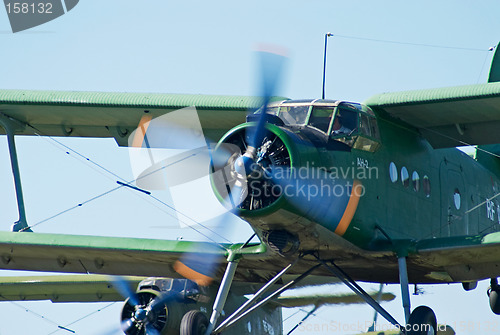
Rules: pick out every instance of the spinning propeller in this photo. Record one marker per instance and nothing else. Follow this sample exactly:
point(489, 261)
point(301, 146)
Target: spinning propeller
point(250, 169)
point(145, 312)
point(231, 178)
point(230, 164)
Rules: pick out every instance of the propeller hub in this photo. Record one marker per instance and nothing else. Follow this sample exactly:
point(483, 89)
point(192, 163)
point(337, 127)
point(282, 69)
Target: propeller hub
point(141, 315)
point(243, 165)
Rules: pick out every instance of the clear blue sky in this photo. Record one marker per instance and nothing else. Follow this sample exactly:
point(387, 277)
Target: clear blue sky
point(206, 47)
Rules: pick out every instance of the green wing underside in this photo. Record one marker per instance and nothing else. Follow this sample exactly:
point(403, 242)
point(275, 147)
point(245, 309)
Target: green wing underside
point(97, 254)
point(98, 114)
point(327, 299)
point(460, 259)
point(433, 261)
point(134, 257)
point(101, 288)
point(446, 117)
point(63, 288)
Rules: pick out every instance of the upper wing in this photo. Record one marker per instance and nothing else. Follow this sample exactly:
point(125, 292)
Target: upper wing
point(98, 114)
point(460, 259)
point(447, 117)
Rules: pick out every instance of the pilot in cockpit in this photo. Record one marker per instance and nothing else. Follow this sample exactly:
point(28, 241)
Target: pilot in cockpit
point(338, 127)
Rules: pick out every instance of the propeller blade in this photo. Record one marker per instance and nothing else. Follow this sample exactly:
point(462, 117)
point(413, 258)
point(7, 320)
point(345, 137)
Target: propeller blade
point(151, 330)
point(161, 301)
point(200, 263)
point(123, 287)
point(173, 145)
point(180, 129)
point(271, 66)
point(126, 325)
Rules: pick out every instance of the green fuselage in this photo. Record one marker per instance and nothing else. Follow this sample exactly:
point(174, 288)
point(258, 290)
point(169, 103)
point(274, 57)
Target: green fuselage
point(455, 202)
point(410, 193)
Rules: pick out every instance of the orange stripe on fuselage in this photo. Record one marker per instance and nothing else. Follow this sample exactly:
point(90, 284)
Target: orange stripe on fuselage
point(191, 274)
point(352, 205)
point(141, 131)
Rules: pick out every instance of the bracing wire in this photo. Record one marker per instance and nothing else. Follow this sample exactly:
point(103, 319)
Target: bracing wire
point(83, 318)
point(95, 165)
point(38, 315)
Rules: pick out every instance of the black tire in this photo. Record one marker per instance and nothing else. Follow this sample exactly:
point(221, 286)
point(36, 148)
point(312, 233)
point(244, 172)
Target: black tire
point(194, 323)
point(494, 301)
point(422, 322)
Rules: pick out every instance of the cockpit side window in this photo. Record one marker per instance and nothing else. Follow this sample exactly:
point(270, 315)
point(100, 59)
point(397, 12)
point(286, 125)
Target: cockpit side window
point(356, 126)
point(365, 124)
point(368, 126)
point(294, 115)
point(321, 117)
point(346, 123)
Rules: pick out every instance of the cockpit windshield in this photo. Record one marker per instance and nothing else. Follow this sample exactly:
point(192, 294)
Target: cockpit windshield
point(350, 123)
point(294, 115)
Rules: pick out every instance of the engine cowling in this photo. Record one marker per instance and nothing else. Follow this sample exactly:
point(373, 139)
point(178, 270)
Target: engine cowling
point(284, 183)
point(280, 151)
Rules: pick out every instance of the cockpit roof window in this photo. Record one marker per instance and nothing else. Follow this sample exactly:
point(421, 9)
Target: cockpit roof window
point(307, 111)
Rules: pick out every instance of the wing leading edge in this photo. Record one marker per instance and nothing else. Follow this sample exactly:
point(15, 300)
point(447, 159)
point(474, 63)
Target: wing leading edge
point(101, 114)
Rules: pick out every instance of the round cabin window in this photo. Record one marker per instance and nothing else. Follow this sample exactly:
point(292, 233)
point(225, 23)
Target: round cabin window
point(456, 198)
point(405, 177)
point(426, 185)
point(415, 180)
point(393, 172)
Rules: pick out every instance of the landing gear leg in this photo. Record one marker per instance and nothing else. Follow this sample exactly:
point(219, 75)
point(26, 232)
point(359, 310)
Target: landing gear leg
point(422, 321)
point(221, 297)
point(405, 290)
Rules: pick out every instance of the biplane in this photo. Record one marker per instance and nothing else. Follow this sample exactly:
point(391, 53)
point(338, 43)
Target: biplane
point(334, 191)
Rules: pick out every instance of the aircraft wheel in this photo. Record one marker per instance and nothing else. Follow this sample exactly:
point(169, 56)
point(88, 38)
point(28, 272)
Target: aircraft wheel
point(194, 323)
point(422, 322)
point(494, 301)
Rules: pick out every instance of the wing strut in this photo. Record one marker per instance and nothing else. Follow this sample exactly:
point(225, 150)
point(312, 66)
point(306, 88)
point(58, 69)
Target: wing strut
point(349, 282)
point(235, 316)
point(11, 126)
point(232, 319)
